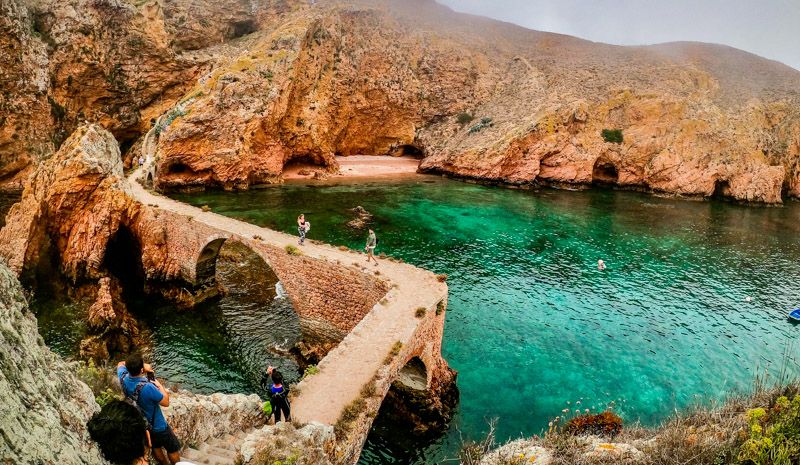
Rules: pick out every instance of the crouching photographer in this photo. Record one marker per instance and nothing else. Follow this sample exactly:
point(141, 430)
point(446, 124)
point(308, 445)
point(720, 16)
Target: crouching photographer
point(142, 389)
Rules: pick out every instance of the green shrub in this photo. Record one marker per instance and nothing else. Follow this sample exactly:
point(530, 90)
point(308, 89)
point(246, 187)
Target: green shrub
point(464, 118)
point(484, 123)
point(106, 396)
point(292, 250)
point(612, 135)
point(99, 379)
point(774, 436)
point(310, 370)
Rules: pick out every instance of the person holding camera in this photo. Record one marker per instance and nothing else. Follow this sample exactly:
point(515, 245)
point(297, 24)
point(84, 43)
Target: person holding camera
point(272, 383)
point(140, 386)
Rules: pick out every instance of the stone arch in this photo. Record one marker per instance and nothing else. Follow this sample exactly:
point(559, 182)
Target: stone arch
point(414, 375)
point(604, 172)
point(206, 262)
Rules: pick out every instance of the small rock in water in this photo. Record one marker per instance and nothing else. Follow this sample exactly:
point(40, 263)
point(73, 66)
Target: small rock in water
point(362, 218)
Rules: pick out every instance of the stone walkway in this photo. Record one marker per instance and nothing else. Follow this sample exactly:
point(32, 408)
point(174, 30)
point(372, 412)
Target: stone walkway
point(354, 362)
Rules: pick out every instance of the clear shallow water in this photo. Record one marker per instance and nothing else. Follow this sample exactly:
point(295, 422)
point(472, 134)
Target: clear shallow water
point(532, 324)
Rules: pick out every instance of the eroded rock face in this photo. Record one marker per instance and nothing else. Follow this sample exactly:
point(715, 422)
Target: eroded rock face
point(198, 418)
point(112, 329)
point(312, 444)
point(117, 63)
point(45, 407)
point(489, 101)
point(76, 201)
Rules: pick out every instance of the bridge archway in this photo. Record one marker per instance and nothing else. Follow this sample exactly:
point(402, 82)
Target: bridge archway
point(414, 375)
point(206, 264)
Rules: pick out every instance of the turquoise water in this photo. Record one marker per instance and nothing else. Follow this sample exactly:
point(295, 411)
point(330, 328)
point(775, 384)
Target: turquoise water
point(533, 327)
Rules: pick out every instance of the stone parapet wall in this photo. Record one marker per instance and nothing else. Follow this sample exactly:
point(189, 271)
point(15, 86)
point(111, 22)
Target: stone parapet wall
point(424, 343)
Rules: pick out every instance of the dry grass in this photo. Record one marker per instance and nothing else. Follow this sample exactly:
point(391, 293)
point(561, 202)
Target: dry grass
point(441, 277)
point(420, 312)
point(292, 250)
point(704, 435)
point(394, 352)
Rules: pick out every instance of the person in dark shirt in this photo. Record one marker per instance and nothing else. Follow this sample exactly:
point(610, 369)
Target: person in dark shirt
point(278, 394)
point(139, 384)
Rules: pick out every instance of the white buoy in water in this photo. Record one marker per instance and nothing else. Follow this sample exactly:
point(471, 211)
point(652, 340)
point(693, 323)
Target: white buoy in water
point(748, 299)
point(601, 265)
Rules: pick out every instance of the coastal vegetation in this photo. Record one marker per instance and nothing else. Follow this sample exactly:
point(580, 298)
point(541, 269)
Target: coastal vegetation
point(759, 428)
point(613, 136)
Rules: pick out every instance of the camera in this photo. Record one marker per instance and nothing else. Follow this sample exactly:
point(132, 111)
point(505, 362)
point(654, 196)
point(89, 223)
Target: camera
point(151, 376)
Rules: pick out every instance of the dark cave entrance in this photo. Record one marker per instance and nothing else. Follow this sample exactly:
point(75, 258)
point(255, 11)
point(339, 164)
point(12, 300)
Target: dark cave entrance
point(722, 189)
point(242, 28)
point(123, 260)
point(409, 150)
point(604, 172)
point(178, 168)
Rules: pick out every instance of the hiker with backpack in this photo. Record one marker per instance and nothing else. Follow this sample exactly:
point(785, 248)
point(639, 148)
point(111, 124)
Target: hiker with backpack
point(143, 390)
point(372, 242)
point(278, 394)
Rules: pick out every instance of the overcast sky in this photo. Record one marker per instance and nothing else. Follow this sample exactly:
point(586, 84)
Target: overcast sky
point(770, 28)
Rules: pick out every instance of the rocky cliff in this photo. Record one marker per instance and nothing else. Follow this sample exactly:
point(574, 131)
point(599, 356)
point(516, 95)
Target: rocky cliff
point(45, 407)
point(249, 86)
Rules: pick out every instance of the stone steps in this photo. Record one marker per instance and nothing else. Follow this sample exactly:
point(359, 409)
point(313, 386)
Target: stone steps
point(218, 451)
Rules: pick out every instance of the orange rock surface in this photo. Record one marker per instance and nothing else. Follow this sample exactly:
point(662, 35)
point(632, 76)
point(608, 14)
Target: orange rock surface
point(245, 90)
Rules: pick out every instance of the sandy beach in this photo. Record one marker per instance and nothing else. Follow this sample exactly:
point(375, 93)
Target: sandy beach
point(360, 166)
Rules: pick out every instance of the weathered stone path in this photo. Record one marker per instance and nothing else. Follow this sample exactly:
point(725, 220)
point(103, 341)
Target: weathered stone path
point(355, 360)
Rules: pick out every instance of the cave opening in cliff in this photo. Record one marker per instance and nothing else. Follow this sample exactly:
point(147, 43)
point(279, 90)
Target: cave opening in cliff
point(409, 150)
point(604, 172)
point(123, 260)
point(303, 164)
point(722, 189)
point(242, 28)
point(178, 168)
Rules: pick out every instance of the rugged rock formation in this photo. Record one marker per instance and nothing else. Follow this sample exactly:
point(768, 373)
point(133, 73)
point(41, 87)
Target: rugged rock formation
point(112, 328)
point(362, 218)
point(487, 100)
point(72, 206)
point(45, 407)
point(118, 63)
point(284, 443)
point(197, 418)
point(283, 82)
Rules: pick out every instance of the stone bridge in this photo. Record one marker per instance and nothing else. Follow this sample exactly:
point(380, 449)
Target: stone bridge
point(382, 324)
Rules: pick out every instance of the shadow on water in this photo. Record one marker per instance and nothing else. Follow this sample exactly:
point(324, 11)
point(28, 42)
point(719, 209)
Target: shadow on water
point(220, 346)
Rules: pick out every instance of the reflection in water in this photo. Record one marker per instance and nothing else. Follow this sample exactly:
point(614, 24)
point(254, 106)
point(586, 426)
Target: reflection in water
point(532, 323)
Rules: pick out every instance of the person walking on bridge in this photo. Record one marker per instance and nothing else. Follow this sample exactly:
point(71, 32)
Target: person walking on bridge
point(303, 227)
point(372, 242)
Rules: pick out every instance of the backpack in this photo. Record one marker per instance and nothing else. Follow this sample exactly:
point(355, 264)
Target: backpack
point(133, 399)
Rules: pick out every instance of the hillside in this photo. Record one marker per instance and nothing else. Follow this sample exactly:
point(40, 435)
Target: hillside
point(260, 84)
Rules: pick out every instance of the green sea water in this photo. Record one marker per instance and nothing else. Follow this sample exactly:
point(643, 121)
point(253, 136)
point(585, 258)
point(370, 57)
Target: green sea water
point(534, 328)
